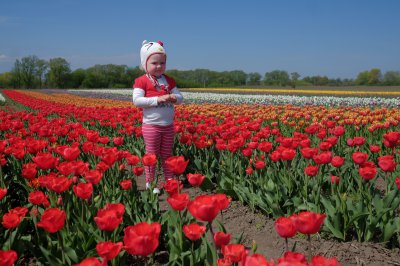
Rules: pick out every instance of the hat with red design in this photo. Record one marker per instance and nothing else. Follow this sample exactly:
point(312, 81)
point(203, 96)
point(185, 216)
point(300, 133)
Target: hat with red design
point(148, 49)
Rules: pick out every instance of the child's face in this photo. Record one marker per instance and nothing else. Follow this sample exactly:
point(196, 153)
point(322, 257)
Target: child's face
point(156, 64)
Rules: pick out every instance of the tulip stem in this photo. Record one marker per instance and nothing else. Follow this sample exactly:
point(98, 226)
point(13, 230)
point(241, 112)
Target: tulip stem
point(286, 244)
point(309, 247)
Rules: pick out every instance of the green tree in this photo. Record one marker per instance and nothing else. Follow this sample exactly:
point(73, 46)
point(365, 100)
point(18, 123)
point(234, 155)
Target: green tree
point(294, 77)
point(76, 78)
point(59, 72)
point(28, 70)
point(276, 78)
point(374, 76)
point(6, 80)
point(253, 78)
point(391, 78)
point(41, 71)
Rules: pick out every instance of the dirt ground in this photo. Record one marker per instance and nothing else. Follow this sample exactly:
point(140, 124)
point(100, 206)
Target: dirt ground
point(257, 227)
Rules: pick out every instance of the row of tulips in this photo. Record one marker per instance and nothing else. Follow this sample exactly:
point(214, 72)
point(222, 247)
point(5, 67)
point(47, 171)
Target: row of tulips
point(83, 202)
point(244, 152)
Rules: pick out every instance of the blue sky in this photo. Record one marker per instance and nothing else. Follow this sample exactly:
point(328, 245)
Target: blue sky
point(337, 38)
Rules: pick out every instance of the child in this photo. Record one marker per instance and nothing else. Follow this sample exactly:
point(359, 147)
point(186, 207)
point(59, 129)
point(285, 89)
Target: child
point(156, 93)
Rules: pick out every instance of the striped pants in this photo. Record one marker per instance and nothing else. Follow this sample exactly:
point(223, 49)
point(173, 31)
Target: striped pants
point(158, 140)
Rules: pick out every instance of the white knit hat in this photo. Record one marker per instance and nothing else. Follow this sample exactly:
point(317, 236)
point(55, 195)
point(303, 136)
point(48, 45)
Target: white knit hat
point(148, 49)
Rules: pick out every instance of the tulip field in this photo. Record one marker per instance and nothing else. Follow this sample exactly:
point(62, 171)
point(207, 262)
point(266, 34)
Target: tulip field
point(71, 159)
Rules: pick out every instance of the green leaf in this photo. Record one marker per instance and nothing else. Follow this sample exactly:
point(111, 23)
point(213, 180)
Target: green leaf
point(333, 230)
point(71, 254)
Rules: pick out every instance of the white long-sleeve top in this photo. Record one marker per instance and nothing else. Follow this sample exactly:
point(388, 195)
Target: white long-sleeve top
point(154, 113)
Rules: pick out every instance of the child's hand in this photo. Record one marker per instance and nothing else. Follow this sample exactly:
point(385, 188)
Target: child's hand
point(163, 99)
point(172, 98)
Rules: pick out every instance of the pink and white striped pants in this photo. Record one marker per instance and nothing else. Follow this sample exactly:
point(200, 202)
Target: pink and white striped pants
point(160, 141)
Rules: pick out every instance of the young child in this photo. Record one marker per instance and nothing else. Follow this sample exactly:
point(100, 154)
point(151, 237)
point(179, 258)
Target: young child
point(156, 93)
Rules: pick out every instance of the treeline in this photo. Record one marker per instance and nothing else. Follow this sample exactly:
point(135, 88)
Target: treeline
point(32, 72)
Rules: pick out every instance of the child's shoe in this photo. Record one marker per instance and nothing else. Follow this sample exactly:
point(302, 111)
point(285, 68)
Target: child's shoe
point(155, 190)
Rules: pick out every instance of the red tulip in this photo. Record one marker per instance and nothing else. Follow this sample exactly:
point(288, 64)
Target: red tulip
point(293, 258)
point(177, 164)
point(309, 152)
point(173, 186)
point(11, 220)
point(126, 184)
point(60, 184)
point(3, 193)
point(311, 170)
point(397, 182)
point(142, 239)
point(234, 252)
point(108, 250)
point(29, 171)
point(338, 131)
point(195, 179)
point(90, 262)
point(256, 260)
point(337, 161)
point(308, 222)
point(285, 227)
point(109, 218)
point(132, 160)
point(322, 261)
point(138, 171)
point(359, 157)
point(387, 163)
point(222, 200)
point(118, 141)
point(374, 148)
point(204, 208)
point(149, 159)
point(367, 172)
point(71, 153)
point(93, 176)
point(52, 220)
point(45, 160)
point(221, 239)
point(83, 190)
point(224, 262)
point(335, 179)
point(288, 154)
point(37, 198)
point(323, 157)
point(193, 231)
point(259, 164)
point(249, 170)
point(178, 201)
point(8, 257)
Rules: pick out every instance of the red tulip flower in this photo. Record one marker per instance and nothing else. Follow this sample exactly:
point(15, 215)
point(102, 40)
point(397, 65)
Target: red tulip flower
point(337, 161)
point(109, 218)
point(222, 200)
point(397, 182)
point(234, 252)
point(173, 186)
point(285, 227)
point(90, 262)
point(256, 260)
point(323, 157)
point(359, 157)
point(204, 208)
point(132, 160)
point(138, 171)
point(3, 193)
point(221, 239)
point(367, 172)
point(195, 179)
point(178, 201)
point(177, 164)
point(126, 184)
point(118, 141)
point(374, 148)
point(45, 160)
point(387, 163)
point(335, 179)
point(38, 197)
point(308, 222)
point(108, 250)
point(29, 171)
point(71, 153)
point(311, 170)
point(322, 261)
point(293, 258)
point(142, 239)
point(83, 190)
point(52, 220)
point(193, 231)
point(224, 262)
point(8, 257)
point(149, 159)
point(93, 176)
